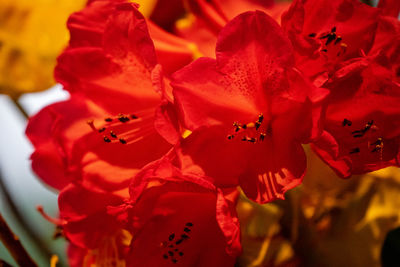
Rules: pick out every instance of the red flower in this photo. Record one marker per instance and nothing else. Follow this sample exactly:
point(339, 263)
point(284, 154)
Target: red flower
point(178, 219)
point(326, 33)
point(252, 84)
point(352, 51)
point(362, 130)
point(91, 146)
point(105, 132)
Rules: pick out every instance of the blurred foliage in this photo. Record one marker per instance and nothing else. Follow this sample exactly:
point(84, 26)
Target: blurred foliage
point(327, 221)
point(32, 34)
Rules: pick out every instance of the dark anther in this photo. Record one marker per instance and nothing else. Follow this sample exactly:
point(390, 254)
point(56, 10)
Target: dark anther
point(346, 122)
point(378, 145)
point(122, 118)
point(134, 117)
point(338, 40)
point(355, 150)
point(312, 35)
point(170, 253)
point(262, 136)
point(180, 253)
point(189, 224)
point(165, 256)
point(258, 124)
point(108, 119)
point(252, 140)
point(237, 126)
point(176, 250)
point(377, 142)
point(230, 137)
point(106, 139)
point(123, 141)
point(187, 230)
point(368, 125)
point(244, 126)
point(324, 50)
point(260, 118)
point(179, 241)
point(330, 39)
point(113, 134)
point(171, 237)
point(377, 148)
point(333, 29)
point(244, 138)
point(174, 260)
point(357, 134)
point(171, 246)
point(102, 130)
point(184, 236)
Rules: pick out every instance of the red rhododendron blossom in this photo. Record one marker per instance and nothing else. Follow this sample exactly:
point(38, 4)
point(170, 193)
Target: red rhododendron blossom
point(180, 220)
point(356, 60)
point(105, 132)
point(250, 110)
point(326, 33)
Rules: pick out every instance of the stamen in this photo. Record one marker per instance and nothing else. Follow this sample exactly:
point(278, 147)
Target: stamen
point(355, 150)
point(171, 237)
point(113, 134)
point(108, 119)
point(91, 124)
point(338, 40)
point(102, 129)
point(58, 222)
point(122, 118)
point(106, 139)
point(346, 122)
point(262, 136)
point(230, 137)
point(312, 35)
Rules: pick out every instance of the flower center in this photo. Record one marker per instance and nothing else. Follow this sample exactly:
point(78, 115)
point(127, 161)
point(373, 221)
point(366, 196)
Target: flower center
point(172, 247)
point(252, 132)
point(331, 41)
point(124, 128)
point(374, 146)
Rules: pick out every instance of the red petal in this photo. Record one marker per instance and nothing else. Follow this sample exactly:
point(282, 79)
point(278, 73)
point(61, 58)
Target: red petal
point(233, 87)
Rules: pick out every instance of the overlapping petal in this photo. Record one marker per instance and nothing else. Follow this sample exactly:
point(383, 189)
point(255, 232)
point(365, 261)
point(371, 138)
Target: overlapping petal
point(252, 81)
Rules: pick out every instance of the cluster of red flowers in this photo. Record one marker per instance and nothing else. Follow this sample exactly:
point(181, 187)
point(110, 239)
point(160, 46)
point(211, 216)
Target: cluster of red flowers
point(150, 149)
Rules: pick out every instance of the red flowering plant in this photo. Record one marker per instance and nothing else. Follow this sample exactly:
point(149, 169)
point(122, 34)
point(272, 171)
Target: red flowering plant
point(352, 50)
point(148, 166)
